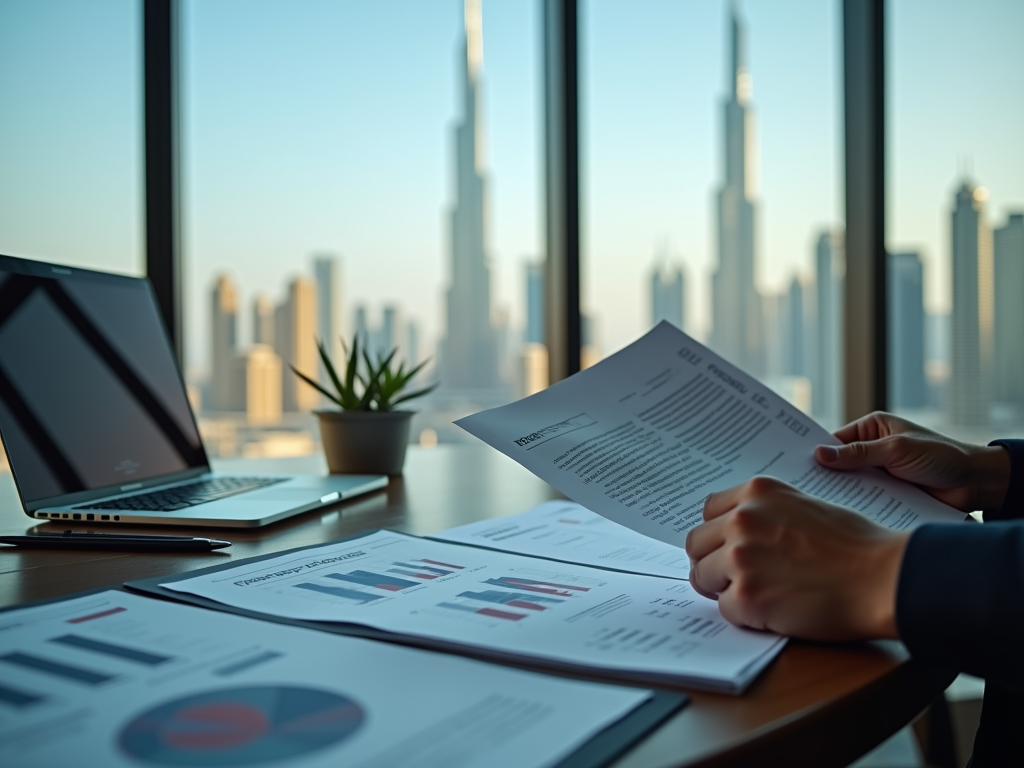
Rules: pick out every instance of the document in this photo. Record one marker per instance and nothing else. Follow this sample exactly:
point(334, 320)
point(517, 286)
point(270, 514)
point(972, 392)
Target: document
point(566, 531)
point(644, 437)
point(628, 626)
point(114, 679)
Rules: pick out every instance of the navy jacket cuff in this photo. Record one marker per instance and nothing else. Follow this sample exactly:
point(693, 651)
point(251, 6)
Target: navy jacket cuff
point(1013, 503)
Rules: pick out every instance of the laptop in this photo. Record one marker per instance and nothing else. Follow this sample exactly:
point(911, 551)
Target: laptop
point(96, 421)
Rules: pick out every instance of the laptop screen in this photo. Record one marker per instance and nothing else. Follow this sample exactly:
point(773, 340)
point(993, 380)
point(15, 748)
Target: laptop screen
point(90, 392)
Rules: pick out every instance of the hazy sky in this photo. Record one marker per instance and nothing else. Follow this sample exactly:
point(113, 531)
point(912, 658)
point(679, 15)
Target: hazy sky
point(319, 125)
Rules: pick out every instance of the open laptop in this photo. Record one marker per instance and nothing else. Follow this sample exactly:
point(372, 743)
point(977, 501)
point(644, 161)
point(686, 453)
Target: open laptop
point(95, 418)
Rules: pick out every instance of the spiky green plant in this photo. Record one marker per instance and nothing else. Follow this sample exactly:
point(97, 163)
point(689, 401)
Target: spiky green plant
point(376, 385)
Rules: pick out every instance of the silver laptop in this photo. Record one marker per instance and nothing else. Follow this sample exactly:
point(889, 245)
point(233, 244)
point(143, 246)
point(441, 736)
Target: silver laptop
point(95, 418)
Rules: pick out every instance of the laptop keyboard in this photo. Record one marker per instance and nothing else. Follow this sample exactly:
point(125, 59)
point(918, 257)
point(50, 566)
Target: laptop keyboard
point(188, 495)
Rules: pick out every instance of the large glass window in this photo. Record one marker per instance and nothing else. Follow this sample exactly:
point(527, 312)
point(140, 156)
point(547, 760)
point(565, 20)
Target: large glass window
point(712, 172)
point(956, 214)
point(367, 167)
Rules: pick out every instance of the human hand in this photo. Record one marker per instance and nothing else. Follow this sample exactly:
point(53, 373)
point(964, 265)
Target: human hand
point(778, 559)
point(965, 476)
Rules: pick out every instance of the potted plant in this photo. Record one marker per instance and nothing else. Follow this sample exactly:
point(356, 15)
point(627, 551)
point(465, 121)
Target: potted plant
point(365, 434)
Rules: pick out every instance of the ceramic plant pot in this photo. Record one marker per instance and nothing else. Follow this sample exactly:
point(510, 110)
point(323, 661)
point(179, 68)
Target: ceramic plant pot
point(364, 443)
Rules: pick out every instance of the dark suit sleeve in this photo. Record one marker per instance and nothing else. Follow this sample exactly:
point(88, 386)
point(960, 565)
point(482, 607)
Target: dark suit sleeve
point(960, 600)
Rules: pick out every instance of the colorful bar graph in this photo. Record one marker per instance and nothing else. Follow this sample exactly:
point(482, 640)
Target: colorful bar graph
point(420, 567)
point(515, 599)
point(55, 668)
point(376, 580)
point(110, 649)
point(493, 613)
point(348, 594)
point(532, 585)
point(443, 565)
point(414, 574)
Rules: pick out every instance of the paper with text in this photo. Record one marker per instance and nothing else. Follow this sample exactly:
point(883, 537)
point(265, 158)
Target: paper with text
point(641, 627)
point(564, 530)
point(644, 437)
point(115, 679)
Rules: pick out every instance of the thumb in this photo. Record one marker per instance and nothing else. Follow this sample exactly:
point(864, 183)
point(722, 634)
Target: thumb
point(867, 453)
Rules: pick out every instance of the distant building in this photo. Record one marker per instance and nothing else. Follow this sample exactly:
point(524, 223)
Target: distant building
point(263, 320)
point(469, 351)
point(1008, 264)
point(390, 331)
point(668, 288)
point(793, 331)
point(223, 343)
point(827, 370)
point(534, 332)
point(257, 378)
point(329, 330)
point(907, 385)
point(737, 318)
point(971, 363)
point(295, 344)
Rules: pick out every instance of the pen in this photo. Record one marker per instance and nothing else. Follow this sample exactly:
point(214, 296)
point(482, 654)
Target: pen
point(114, 542)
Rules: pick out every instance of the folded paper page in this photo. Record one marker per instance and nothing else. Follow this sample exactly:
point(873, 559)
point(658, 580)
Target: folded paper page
point(644, 437)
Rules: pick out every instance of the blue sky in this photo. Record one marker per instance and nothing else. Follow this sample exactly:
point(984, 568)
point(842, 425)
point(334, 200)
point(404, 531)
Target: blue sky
point(321, 125)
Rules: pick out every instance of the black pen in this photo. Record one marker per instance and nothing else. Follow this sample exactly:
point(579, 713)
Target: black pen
point(114, 542)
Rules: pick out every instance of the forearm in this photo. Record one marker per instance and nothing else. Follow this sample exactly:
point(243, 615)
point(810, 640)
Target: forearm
point(960, 599)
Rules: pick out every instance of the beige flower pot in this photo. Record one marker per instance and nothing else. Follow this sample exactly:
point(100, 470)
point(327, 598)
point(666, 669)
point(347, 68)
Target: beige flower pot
point(360, 442)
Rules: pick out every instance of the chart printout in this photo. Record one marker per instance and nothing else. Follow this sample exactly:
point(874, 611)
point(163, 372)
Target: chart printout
point(114, 679)
point(644, 436)
point(641, 627)
point(564, 530)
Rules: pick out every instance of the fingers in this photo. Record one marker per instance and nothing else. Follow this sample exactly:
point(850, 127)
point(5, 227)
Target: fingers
point(717, 504)
point(870, 427)
point(705, 539)
point(869, 453)
point(708, 577)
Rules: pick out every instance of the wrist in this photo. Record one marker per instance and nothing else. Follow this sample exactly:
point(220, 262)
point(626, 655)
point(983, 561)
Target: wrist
point(880, 586)
point(990, 475)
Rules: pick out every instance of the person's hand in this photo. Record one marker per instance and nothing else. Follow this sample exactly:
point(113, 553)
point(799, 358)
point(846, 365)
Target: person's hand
point(777, 559)
point(965, 476)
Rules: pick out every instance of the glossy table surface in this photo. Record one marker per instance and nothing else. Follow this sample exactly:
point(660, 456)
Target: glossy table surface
point(816, 705)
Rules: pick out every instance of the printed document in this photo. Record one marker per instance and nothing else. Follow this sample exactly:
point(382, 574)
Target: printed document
point(114, 679)
point(563, 530)
point(629, 626)
point(644, 437)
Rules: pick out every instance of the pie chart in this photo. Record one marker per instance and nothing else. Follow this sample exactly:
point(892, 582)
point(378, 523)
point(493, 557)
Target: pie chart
point(241, 726)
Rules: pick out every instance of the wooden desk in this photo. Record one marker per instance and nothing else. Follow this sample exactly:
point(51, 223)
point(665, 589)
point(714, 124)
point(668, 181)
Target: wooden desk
point(816, 705)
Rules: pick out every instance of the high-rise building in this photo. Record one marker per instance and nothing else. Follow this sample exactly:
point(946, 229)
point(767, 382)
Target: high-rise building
point(469, 352)
point(223, 343)
point(390, 332)
point(793, 327)
point(827, 370)
point(329, 331)
point(263, 320)
point(907, 385)
point(737, 321)
point(971, 364)
point(1008, 259)
point(257, 380)
point(295, 344)
point(534, 333)
point(668, 289)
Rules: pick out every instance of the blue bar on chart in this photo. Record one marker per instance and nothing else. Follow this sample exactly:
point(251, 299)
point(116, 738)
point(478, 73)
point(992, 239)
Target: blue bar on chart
point(55, 668)
point(375, 580)
point(349, 594)
point(532, 585)
point(493, 613)
point(244, 664)
point(19, 699)
point(110, 649)
point(419, 567)
point(514, 599)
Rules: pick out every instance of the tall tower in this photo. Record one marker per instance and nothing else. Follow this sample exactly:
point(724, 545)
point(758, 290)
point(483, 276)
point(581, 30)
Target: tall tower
point(826, 384)
point(328, 306)
point(907, 386)
point(469, 352)
point(793, 323)
point(1008, 255)
point(223, 343)
point(737, 320)
point(971, 333)
point(534, 333)
point(667, 287)
point(295, 344)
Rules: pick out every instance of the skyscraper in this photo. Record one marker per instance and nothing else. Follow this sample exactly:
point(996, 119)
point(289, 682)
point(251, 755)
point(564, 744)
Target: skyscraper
point(736, 304)
point(263, 320)
point(1008, 257)
point(328, 305)
point(827, 378)
point(907, 386)
point(793, 326)
point(469, 352)
point(295, 344)
point(257, 380)
point(534, 333)
point(971, 363)
point(223, 343)
point(667, 291)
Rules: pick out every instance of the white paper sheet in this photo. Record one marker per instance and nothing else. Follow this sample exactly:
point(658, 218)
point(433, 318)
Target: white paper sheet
point(147, 682)
point(644, 437)
point(564, 530)
point(642, 627)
